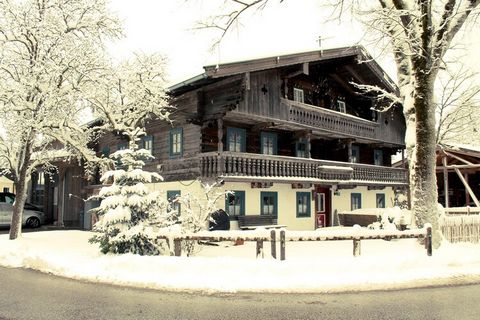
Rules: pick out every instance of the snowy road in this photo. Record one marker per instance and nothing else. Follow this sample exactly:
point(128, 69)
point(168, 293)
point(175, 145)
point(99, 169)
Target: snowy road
point(26, 294)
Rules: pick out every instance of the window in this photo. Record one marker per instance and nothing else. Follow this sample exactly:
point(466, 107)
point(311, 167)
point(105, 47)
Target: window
point(303, 204)
point(236, 139)
point(301, 149)
point(176, 142)
point(321, 202)
point(356, 201)
point(147, 143)
point(172, 196)
point(355, 154)
point(122, 146)
point(341, 106)
point(268, 203)
point(7, 198)
point(6, 189)
point(298, 95)
point(268, 142)
point(106, 152)
point(378, 157)
point(235, 203)
point(380, 200)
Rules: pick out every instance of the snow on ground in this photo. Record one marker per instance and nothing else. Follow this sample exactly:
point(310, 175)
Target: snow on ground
point(309, 266)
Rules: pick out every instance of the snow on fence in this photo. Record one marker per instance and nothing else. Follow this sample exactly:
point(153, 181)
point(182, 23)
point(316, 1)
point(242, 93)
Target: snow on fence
point(464, 228)
point(262, 235)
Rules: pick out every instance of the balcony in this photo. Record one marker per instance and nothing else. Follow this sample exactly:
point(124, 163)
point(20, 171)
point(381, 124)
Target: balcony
point(278, 168)
point(329, 120)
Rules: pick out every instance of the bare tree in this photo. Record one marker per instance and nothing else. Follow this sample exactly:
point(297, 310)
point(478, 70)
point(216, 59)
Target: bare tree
point(419, 33)
point(458, 108)
point(49, 51)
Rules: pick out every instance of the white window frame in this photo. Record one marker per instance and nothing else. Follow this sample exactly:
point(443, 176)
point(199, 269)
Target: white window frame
point(342, 107)
point(298, 95)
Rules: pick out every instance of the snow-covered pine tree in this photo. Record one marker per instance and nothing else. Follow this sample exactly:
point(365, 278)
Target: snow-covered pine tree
point(129, 211)
point(129, 95)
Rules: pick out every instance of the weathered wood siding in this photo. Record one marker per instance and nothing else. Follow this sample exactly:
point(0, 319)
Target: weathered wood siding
point(263, 98)
point(391, 126)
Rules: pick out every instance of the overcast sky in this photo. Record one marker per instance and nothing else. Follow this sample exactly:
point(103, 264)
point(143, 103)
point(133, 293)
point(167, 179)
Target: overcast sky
point(293, 26)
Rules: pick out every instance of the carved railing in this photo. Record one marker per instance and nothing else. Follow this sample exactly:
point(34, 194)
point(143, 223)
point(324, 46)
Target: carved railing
point(257, 165)
point(329, 120)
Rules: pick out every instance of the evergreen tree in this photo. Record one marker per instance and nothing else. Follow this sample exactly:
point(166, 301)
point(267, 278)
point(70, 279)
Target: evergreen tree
point(129, 212)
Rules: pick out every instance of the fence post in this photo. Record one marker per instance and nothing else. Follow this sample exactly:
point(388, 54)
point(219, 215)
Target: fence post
point(177, 247)
point(282, 245)
point(259, 248)
point(356, 247)
point(273, 243)
point(428, 241)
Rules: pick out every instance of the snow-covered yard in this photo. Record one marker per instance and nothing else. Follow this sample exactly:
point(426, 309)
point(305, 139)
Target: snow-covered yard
point(309, 267)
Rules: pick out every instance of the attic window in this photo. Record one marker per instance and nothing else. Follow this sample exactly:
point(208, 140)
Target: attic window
point(298, 95)
point(341, 106)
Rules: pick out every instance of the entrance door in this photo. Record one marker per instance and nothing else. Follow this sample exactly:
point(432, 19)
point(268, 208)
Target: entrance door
point(322, 206)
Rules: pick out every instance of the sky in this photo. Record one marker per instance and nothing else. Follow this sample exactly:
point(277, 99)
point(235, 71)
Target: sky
point(168, 26)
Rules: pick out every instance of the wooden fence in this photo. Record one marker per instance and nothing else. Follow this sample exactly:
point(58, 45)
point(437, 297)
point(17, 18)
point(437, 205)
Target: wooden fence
point(464, 228)
point(175, 240)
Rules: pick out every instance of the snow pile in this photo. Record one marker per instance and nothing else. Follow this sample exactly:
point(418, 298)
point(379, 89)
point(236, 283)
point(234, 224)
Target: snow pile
point(309, 266)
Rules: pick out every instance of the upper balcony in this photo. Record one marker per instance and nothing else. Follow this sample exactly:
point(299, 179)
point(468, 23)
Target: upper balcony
point(328, 120)
point(295, 115)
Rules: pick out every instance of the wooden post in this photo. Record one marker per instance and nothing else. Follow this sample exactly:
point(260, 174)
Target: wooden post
point(282, 245)
point(349, 150)
point(273, 243)
point(445, 181)
point(177, 247)
point(428, 241)
point(356, 247)
point(467, 195)
point(220, 135)
point(259, 248)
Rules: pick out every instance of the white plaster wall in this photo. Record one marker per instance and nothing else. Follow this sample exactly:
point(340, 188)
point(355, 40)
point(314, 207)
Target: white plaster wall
point(286, 197)
point(342, 202)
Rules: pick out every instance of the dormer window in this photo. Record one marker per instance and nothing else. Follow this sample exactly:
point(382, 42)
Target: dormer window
point(298, 95)
point(341, 106)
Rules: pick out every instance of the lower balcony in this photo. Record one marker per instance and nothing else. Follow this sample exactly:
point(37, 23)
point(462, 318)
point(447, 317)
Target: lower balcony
point(280, 168)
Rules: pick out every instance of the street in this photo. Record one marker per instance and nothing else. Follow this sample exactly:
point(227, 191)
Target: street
point(27, 294)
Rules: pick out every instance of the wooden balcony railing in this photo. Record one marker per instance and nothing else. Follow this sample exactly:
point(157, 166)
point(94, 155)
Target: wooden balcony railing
point(257, 165)
point(329, 120)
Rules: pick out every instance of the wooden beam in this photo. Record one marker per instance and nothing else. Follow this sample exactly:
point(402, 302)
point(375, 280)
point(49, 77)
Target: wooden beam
point(262, 125)
point(247, 80)
point(305, 68)
point(458, 158)
point(467, 187)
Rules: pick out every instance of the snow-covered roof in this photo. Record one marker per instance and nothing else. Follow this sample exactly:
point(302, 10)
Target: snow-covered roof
point(239, 67)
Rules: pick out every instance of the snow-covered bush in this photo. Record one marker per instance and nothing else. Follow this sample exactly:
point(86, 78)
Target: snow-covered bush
point(129, 213)
point(391, 219)
point(196, 212)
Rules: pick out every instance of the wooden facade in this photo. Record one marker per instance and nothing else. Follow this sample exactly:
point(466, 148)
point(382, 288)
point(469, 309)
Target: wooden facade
point(257, 97)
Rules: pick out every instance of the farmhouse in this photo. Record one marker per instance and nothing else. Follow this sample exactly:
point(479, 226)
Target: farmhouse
point(291, 135)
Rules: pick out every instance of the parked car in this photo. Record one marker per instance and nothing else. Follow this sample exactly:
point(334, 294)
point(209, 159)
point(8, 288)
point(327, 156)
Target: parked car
point(32, 216)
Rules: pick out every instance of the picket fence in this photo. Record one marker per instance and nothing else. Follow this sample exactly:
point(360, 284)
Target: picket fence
point(464, 228)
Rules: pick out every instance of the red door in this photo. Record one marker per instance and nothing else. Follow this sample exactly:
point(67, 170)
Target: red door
point(322, 206)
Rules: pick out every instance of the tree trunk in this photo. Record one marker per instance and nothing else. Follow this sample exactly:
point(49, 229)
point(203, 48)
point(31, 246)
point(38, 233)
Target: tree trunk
point(18, 205)
point(424, 182)
point(20, 184)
